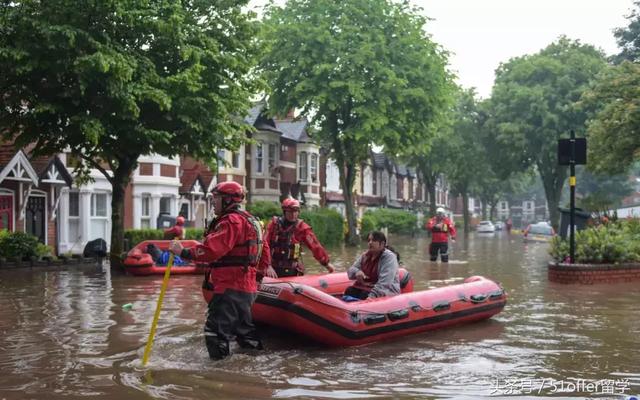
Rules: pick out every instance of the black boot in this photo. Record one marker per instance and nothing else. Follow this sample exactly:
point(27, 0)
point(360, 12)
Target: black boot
point(218, 348)
point(250, 342)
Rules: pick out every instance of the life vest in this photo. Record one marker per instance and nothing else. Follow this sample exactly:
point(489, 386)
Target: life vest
point(246, 254)
point(285, 251)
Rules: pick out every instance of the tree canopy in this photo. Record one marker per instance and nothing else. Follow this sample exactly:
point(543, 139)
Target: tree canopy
point(628, 37)
point(113, 80)
point(364, 69)
point(614, 132)
point(535, 103)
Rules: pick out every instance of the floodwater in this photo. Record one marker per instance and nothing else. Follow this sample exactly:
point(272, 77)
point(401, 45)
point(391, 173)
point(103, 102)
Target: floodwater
point(65, 335)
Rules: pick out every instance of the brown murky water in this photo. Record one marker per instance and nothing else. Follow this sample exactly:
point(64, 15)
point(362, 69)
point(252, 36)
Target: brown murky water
point(65, 335)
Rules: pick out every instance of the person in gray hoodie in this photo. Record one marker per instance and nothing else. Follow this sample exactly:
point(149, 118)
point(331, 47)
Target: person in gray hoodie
point(376, 271)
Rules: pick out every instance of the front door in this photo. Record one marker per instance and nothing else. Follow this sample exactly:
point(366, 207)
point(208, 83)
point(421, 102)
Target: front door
point(35, 217)
point(6, 213)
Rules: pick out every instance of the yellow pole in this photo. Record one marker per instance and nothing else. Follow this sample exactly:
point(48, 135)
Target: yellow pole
point(156, 316)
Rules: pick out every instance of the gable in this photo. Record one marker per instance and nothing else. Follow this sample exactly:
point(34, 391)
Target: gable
point(19, 169)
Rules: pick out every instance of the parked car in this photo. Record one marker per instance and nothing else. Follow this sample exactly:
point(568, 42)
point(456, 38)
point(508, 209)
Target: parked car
point(499, 225)
point(485, 227)
point(540, 232)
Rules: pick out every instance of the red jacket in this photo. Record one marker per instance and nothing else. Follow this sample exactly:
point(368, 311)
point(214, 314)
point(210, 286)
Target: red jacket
point(231, 231)
point(295, 234)
point(441, 228)
point(177, 232)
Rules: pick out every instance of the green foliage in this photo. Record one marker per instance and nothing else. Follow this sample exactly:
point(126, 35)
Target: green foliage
point(600, 193)
point(614, 139)
point(326, 224)
point(19, 245)
point(135, 236)
point(628, 38)
point(264, 210)
point(368, 223)
point(397, 221)
point(617, 242)
point(365, 70)
point(193, 234)
point(114, 80)
point(535, 102)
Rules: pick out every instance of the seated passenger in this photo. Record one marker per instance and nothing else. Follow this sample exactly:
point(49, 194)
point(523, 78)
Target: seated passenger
point(375, 271)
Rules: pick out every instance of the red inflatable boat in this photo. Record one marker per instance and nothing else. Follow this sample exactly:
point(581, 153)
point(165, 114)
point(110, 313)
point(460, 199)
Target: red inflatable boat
point(139, 261)
point(308, 305)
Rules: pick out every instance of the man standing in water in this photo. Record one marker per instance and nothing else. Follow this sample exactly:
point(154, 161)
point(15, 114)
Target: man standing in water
point(441, 228)
point(234, 250)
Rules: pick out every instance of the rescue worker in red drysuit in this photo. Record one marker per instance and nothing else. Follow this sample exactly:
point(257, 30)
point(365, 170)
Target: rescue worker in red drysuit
point(235, 251)
point(177, 231)
point(285, 235)
point(441, 228)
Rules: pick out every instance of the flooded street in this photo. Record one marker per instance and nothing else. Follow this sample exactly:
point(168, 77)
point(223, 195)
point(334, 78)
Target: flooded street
point(64, 334)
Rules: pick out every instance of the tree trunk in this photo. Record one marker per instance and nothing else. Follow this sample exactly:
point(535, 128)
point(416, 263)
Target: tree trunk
point(465, 212)
point(121, 178)
point(492, 212)
point(484, 209)
point(553, 184)
point(432, 199)
point(347, 178)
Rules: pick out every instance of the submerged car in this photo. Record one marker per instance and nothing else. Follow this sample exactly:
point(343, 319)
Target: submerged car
point(499, 225)
point(540, 232)
point(485, 227)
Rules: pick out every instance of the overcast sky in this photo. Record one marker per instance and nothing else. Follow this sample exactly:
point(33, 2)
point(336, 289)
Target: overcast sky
point(480, 34)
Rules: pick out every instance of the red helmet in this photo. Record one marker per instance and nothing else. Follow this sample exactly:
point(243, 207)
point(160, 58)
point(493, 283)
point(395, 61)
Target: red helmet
point(290, 204)
point(230, 190)
point(180, 220)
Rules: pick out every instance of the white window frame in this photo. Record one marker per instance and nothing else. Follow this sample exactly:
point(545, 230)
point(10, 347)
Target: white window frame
point(93, 209)
point(313, 167)
point(145, 217)
point(303, 166)
point(259, 157)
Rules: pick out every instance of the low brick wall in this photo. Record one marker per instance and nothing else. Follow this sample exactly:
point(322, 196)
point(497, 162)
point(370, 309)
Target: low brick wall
point(589, 274)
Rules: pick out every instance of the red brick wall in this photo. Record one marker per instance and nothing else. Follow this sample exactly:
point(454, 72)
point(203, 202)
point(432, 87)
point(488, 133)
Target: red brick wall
point(288, 175)
point(146, 169)
point(168, 170)
point(290, 153)
point(259, 183)
point(273, 184)
point(589, 274)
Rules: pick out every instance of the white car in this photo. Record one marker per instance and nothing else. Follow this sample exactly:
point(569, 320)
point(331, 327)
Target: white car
point(485, 227)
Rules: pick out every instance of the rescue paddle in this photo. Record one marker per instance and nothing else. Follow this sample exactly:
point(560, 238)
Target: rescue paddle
point(156, 316)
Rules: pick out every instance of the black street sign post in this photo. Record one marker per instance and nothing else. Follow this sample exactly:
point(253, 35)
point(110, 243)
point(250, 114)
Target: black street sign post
point(572, 152)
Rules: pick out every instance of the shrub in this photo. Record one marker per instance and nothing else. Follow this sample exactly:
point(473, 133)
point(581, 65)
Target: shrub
point(367, 224)
point(396, 221)
point(193, 233)
point(18, 245)
point(326, 224)
point(609, 244)
point(264, 210)
point(135, 236)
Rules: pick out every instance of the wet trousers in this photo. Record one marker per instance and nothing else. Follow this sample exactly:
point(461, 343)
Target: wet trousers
point(229, 316)
point(441, 248)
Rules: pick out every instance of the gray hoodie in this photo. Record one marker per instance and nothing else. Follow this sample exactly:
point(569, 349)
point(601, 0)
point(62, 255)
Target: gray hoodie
point(388, 283)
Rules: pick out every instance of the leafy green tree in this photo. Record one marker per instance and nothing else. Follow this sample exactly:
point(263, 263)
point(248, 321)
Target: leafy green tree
point(628, 38)
point(614, 137)
point(600, 193)
point(536, 103)
point(363, 69)
point(465, 163)
point(113, 80)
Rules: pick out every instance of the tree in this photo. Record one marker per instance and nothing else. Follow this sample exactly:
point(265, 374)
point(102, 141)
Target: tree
point(614, 135)
point(628, 38)
point(536, 103)
point(600, 193)
point(466, 155)
point(113, 80)
point(363, 69)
